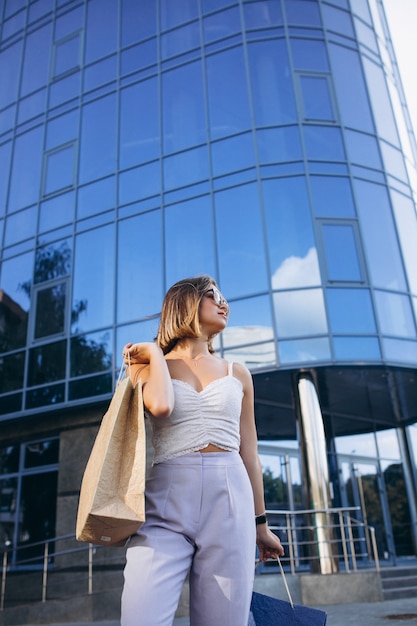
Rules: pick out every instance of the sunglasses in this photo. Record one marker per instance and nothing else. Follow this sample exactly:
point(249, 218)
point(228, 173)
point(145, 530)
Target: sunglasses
point(217, 297)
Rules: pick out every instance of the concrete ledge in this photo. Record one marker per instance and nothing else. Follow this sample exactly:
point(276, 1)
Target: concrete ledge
point(343, 588)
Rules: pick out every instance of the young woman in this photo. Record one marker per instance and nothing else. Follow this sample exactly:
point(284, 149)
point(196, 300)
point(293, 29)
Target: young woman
point(204, 497)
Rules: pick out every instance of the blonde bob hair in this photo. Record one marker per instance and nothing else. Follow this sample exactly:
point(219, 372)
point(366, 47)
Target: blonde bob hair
point(179, 316)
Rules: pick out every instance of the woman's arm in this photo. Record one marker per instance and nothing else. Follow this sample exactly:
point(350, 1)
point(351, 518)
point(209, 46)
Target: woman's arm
point(268, 543)
point(146, 361)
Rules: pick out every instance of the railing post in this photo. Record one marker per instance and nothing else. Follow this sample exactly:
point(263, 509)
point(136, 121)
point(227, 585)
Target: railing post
point(3, 580)
point(352, 544)
point(343, 537)
point(290, 543)
point(45, 571)
point(90, 568)
point(374, 548)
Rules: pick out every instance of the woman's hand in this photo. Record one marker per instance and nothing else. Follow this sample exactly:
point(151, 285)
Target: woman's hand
point(268, 543)
point(138, 353)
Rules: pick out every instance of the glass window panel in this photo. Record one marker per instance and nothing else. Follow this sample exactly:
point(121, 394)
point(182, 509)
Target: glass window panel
point(132, 333)
point(309, 54)
point(180, 40)
point(69, 22)
point(139, 123)
point(92, 386)
point(96, 197)
point(62, 130)
point(351, 92)
point(32, 106)
point(13, 322)
point(361, 445)
point(140, 182)
point(53, 261)
point(323, 143)
point(100, 73)
point(13, 25)
point(250, 321)
point(11, 403)
point(91, 353)
point(67, 55)
point(300, 312)
point(13, 366)
point(240, 241)
point(395, 314)
point(350, 311)
point(63, 90)
point(50, 311)
point(302, 13)
point(59, 167)
point(232, 154)
point(38, 512)
point(227, 93)
point(41, 453)
point(7, 118)
point(221, 25)
point(176, 13)
point(186, 168)
point(9, 459)
point(141, 266)
point(45, 396)
point(39, 9)
point(189, 251)
point(26, 170)
point(183, 114)
point(10, 62)
point(381, 105)
point(271, 83)
point(101, 34)
point(399, 350)
point(277, 145)
point(361, 9)
point(406, 221)
point(255, 355)
point(341, 252)
point(5, 161)
point(98, 139)
point(388, 447)
point(317, 101)
point(139, 56)
point(262, 14)
point(291, 243)
point(134, 29)
point(338, 21)
point(212, 5)
point(332, 196)
point(393, 161)
point(362, 149)
point(366, 35)
point(36, 60)
point(356, 349)
point(16, 275)
point(304, 350)
point(93, 290)
point(47, 363)
point(20, 226)
point(373, 207)
point(57, 211)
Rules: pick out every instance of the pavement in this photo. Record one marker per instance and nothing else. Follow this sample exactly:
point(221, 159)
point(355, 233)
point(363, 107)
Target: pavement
point(388, 613)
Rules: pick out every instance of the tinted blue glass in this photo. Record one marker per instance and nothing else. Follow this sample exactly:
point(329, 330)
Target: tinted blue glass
point(32, 106)
point(59, 169)
point(277, 145)
point(136, 27)
point(262, 13)
point(373, 208)
point(94, 277)
point(69, 22)
point(36, 60)
point(361, 9)
point(140, 278)
point(39, 9)
point(98, 139)
point(395, 314)
point(220, 25)
point(65, 89)
point(26, 170)
point(291, 243)
point(362, 149)
point(11, 370)
point(10, 60)
point(62, 130)
point(140, 182)
point(20, 226)
point(53, 261)
point(174, 13)
point(7, 118)
point(190, 250)
point(406, 221)
point(341, 253)
point(132, 333)
point(101, 33)
point(186, 168)
point(46, 363)
point(380, 99)
point(272, 89)
point(16, 279)
point(356, 349)
point(67, 55)
point(350, 311)
point(250, 321)
point(184, 122)
point(139, 123)
point(309, 54)
point(394, 161)
point(366, 35)
point(317, 101)
point(302, 12)
point(57, 211)
point(13, 25)
point(300, 312)
point(332, 196)
point(100, 73)
point(323, 143)
point(5, 156)
point(351, 93)
point(96, 197)
point(400, 351)
point(254, 355)
point(138, 57)
point(91, 353)
point(227, 93)
point(232, 154)
point(180, 40)
point(304, 351)
point(338, 21)
point(212, 5)
point(240, 242)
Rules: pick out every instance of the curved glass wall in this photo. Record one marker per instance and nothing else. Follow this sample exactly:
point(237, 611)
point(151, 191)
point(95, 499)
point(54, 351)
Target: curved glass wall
point(264, 142)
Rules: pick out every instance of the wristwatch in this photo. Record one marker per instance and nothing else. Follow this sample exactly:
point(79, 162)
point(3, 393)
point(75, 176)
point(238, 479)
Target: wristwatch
point(260, 519)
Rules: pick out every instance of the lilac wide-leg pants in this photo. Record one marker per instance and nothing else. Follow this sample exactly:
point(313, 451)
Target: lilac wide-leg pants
point(199, 519)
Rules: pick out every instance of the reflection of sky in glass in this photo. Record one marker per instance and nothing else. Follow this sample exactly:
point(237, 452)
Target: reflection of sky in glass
point(361, 445)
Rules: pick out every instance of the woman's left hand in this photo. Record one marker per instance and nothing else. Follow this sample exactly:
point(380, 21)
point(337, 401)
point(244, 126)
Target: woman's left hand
point(268, 543)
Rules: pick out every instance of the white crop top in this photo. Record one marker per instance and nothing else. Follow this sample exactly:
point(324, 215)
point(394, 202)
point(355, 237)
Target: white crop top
point(200, 418)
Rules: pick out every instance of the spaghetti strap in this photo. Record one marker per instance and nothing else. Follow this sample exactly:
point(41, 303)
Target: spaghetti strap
point(230, 369)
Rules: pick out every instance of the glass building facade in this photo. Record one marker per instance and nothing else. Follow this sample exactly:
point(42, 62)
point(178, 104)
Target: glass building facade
point(264, 142)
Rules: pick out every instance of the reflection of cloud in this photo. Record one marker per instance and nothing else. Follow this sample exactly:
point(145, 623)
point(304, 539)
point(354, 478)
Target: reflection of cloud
point(297, 271)
point(257, 354)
